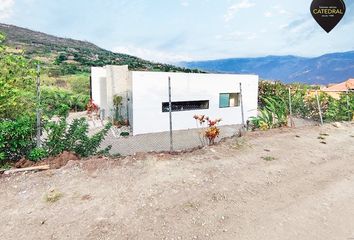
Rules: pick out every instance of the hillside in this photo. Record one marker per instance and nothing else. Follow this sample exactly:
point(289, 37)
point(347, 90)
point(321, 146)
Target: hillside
point(63, 56)
point(329, 68)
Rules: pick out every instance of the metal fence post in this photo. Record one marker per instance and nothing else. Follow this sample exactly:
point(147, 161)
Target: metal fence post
point(319, 107)
point(38, 111)
point(348, 107)
point(291, 110)
point(242, 108)
point(170, 112)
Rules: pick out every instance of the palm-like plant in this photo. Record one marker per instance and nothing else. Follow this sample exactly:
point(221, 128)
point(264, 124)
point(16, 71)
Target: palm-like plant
point(274, 114)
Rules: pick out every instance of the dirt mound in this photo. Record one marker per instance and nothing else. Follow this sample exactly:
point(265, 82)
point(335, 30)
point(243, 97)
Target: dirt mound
point(60, 160)
point(24, 163)
point(54, 162)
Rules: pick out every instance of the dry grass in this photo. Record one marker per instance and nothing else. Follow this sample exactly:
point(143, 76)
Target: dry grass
point(53, 196)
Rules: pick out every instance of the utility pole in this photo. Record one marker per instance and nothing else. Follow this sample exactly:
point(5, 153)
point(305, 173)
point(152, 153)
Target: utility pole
point(38, 111)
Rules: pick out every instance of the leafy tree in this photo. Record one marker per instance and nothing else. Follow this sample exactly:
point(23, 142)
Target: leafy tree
point(17, 84)
point(61, 58)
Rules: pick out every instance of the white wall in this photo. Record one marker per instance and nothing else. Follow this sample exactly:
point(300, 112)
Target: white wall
point(150, 89)
point(118, 83)
point(108, 81)
point(98, 75)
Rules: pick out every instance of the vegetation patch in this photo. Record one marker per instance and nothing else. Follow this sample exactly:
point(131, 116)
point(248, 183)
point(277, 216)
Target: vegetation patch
point(268, 158)
point(274, 104)
point(240, 143)
point(53, 196)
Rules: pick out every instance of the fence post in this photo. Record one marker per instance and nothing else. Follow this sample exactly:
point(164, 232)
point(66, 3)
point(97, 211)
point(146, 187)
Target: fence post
point(170, 112)
point(348, 107)
point(319, 107)
point(38, 111)
point(242, 109)
point(291, 110)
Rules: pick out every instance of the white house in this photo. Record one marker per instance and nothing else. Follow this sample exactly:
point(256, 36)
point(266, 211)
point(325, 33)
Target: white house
point(146, 97)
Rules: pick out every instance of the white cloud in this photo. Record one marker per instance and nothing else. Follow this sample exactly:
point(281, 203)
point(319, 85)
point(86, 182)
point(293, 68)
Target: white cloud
point(276, 10)
point(6, 8)
point(268, 14)
point(281, 11)
point(233, 9)
point(185, 3)
point(238, 36)
point(152, 55)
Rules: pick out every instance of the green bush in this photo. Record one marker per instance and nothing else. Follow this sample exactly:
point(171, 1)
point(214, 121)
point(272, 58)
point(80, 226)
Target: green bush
point(54, 98)
point(341, 109)
point(17, 138)
point(74, 138)
point(304, 102)
point(37, 154)
point(79, 83)
point(274, 113)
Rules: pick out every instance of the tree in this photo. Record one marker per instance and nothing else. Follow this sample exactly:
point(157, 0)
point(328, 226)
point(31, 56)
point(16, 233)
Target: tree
point(17, 84)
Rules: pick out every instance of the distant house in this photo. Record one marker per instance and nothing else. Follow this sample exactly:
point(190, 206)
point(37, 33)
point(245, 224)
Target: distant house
point(146, 97)
point(336, 90)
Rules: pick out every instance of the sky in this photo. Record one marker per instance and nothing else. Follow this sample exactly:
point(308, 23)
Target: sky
point(185, 30)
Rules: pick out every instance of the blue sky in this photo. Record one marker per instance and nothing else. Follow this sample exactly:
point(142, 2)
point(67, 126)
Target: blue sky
point(177, 30)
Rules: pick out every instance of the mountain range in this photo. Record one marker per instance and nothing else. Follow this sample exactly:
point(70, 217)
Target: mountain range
point(64, 56)
point(329, 68)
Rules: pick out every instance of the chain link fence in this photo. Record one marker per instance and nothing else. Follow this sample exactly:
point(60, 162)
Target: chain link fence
point(321, 106)
point(124, 143)
point(301, 106)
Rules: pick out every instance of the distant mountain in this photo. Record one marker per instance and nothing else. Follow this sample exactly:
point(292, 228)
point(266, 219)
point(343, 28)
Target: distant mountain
point(61, 56)
point(329, 68)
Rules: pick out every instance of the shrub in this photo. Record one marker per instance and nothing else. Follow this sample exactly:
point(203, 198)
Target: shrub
point(117, 102)
point(212, 131)
point(73, 138)
point(54, 98)
point(341, 109)
point(37, 154)
point(79, 84)
point(17, 138)
point(273, 114)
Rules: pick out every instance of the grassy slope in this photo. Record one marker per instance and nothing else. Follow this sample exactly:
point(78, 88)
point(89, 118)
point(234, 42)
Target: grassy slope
point(65, 63)
point(63, 56)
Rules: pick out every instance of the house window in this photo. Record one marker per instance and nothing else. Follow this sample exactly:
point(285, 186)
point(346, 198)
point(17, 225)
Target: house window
point(229, 100)
point(185, 106)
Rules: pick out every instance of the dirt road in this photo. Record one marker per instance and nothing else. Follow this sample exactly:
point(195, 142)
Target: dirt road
point(283, 184)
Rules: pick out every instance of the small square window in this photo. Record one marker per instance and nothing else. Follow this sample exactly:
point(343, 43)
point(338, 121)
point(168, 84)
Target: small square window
point(229, 100)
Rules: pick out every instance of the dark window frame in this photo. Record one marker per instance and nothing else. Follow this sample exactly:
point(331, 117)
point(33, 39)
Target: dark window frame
point(183, 106)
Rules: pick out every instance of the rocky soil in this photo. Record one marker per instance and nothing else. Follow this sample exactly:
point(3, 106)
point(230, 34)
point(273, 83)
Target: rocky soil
point(281, 184)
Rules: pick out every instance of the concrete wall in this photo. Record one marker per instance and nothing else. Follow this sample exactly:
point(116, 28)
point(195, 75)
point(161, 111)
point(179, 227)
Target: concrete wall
point(118, 83)
point(150, 89)
point(98, 76)
point(109, 81)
